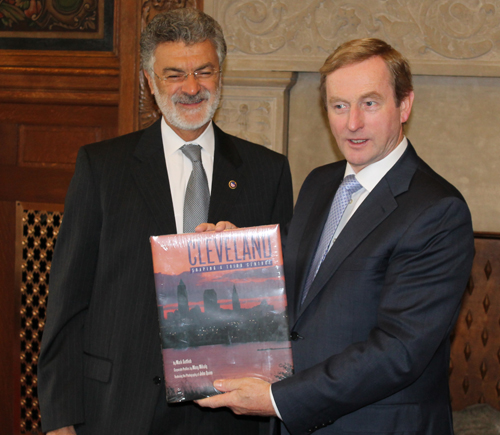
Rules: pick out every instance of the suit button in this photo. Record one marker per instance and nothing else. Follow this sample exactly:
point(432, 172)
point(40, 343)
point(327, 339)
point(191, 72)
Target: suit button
point(157, 380)
point(294, 336)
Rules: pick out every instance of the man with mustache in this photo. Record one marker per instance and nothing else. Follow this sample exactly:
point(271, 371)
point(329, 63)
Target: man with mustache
point(100, 368)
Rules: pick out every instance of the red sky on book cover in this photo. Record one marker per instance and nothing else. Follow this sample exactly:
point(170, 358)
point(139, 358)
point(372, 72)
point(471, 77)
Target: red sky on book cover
point(221, 307)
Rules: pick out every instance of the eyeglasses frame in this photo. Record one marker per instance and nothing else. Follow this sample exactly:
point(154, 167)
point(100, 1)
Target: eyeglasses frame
point(186, 75)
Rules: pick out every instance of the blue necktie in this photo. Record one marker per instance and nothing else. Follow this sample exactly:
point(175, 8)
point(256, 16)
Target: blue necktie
point(342, 198)
point(197, 198)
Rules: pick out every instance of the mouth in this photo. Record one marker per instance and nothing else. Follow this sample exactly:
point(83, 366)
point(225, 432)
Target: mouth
point(357, 141)
point(190, 101)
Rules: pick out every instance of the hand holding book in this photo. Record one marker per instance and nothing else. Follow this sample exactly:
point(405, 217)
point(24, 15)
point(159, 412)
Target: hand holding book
point(219, 226)
point(244, 396)
point(221, 310)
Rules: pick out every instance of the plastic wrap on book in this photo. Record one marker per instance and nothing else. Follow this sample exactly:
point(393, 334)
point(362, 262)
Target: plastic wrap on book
point(221, 309)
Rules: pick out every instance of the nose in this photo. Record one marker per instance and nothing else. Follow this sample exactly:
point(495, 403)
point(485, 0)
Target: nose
point(190, 85)
point(355, 121)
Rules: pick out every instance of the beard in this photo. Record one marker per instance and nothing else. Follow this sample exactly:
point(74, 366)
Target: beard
point(179, 117)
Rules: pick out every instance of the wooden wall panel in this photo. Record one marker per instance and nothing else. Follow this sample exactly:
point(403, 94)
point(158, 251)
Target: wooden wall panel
point(50, 134)
point(55, 146)
point(9, 323)
point(51, 103)
point(8, 153)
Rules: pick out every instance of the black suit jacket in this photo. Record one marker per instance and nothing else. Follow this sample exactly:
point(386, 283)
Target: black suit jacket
point(371, 349)
point(100, 365)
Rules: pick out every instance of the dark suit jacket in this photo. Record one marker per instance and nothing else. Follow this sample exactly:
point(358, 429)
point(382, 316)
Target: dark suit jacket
point(100, 363)
point(371, 349)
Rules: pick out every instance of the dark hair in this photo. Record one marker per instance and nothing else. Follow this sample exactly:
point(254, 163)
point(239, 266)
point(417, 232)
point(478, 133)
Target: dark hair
point(358, 50)
point(185, 24)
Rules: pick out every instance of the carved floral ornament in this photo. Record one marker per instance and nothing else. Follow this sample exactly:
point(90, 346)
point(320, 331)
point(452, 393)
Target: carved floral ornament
point(49, 15)
point(151, 8)
point(426, 30)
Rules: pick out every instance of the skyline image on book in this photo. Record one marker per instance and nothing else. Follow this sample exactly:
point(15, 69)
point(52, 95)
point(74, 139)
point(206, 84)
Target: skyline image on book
point(221, 308)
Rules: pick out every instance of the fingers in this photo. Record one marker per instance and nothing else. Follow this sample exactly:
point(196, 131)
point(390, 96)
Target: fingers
point(249, 396)
point(218, 401)
point(204, 227)
point(221, 226)
point(224, 225)
point(226, 385)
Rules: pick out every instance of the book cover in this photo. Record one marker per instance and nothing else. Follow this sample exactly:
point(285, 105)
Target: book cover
point(221, 309)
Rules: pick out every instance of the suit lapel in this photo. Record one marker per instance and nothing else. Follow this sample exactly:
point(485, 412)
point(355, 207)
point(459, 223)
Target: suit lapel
point(150, 174)
point(227, 182)
point(311, 235)
point(377, 207)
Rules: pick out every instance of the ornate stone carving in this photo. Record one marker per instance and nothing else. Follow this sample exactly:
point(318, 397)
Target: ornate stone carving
point(250, 120)
point(151, 8)
point(255, 107)
point(298, 34)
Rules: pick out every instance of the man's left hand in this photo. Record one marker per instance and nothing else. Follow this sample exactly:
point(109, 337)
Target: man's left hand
point(247, 396)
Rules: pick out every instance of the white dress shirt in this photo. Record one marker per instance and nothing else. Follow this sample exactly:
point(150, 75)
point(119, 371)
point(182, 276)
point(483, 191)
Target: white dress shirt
point(368, 177)
point(179, 167)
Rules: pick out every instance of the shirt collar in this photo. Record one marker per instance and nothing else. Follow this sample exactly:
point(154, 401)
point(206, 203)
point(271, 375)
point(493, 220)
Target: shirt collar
point(370, 176)
point(172, 142)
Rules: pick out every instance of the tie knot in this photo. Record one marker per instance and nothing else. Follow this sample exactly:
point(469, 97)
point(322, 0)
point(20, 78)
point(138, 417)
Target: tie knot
point(192, 152)
point(350, 184)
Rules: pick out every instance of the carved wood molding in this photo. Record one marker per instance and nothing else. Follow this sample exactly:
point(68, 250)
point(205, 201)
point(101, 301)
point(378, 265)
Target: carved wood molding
point(442, 37)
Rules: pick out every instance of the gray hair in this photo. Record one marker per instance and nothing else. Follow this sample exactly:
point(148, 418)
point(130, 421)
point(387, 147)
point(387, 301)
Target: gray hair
point(188, 25)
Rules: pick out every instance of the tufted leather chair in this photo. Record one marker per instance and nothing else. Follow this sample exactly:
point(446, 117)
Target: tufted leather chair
point(475, 342)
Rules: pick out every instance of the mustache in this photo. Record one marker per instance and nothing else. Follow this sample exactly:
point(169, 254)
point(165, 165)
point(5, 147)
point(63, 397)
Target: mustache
point(192, 99)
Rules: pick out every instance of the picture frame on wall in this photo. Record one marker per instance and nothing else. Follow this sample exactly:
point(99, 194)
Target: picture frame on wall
point(76, 25)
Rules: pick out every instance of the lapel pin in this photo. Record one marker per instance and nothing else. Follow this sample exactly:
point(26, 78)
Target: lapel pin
point(232, 184)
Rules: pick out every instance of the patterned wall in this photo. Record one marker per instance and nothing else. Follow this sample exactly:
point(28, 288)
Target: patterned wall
point(297, 35)
point(38, 227)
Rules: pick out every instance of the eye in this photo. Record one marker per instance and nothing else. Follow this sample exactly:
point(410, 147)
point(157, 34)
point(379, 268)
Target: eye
point(372, 104)
point(174, 77)
point(204, 73)
point(339, 106)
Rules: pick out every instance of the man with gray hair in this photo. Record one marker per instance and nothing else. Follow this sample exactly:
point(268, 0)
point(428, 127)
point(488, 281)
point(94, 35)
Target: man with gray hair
point(100, 368)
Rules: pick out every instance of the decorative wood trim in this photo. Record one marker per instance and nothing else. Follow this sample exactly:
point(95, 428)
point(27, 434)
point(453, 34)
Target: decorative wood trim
point(128, 37)
point(51, 97)
point(9, 321)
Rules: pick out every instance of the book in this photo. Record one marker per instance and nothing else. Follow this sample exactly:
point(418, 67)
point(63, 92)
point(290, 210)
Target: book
point(221, 309)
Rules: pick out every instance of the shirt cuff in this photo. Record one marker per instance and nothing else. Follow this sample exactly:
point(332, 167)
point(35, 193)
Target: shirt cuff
point(276, 410)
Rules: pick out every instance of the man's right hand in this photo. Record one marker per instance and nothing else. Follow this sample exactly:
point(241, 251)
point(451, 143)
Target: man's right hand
point(68, 430)
point(221, 226)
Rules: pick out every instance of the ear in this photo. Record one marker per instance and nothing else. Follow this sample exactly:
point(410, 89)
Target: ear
point(150, 81)
point(405, 107)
